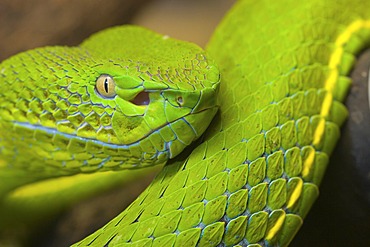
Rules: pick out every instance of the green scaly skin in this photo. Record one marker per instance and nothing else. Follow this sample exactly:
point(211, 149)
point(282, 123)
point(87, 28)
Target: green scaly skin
point(255, 176)
point(54, 122)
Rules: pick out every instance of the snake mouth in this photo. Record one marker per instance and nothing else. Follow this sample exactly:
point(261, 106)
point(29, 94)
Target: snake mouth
point(169, 123)
point(52, 131)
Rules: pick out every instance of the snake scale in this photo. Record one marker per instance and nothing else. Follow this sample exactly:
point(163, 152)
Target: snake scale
point(129, 98)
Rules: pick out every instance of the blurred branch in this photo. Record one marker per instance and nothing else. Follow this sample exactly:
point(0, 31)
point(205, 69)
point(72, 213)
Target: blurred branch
point(28, 24)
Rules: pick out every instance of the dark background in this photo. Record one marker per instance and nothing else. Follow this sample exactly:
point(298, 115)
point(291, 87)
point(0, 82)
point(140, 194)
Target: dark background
point(341, 215)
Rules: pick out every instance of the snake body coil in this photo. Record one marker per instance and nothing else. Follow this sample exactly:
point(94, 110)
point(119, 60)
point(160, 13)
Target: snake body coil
point(255, 176)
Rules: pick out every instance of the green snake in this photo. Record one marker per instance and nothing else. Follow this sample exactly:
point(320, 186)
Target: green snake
point(126, 98)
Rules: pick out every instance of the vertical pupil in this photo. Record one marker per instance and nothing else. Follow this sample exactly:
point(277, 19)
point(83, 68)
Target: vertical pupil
point(106, 85)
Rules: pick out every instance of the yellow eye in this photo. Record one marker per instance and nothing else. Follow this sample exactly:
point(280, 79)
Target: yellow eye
point(105, 86)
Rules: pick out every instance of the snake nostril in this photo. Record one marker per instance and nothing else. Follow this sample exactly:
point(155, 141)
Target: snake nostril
point(141, 99)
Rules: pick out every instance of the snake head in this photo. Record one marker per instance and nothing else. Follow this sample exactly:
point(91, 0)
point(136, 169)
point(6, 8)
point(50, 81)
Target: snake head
point(126, 97)
point(164, 90)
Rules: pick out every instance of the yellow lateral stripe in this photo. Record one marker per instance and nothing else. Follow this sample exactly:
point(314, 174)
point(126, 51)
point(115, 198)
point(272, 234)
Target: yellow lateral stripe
point(334, 62)
point(307, 165)
point(274, 230)
point(297, 191)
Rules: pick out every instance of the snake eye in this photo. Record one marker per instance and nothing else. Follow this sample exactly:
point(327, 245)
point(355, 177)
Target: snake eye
point(105, 86)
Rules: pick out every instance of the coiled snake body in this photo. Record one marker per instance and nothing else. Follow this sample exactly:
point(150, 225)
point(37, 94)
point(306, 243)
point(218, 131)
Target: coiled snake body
point(128, 98)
